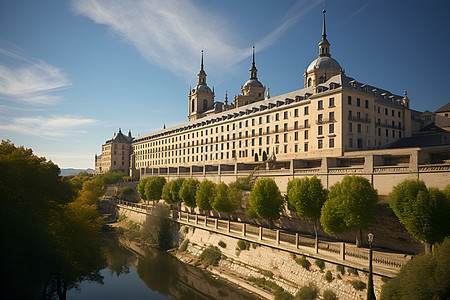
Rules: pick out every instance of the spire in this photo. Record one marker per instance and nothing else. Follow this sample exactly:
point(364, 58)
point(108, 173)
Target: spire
point(268, 93)
point(226, 97)
point(324, 45)
point(202, 73)
point(253, 70)
point(164, 126)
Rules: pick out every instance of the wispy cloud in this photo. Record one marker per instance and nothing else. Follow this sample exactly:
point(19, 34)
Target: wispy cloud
point(30, 81)
point(53, 127)
point(357, 11)
point(169, 33)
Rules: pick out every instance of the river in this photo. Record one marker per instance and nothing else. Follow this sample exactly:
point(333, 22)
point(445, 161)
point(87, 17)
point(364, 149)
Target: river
point(136, 272)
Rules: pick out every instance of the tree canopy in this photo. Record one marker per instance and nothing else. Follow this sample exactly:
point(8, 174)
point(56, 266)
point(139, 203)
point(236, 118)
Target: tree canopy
point(427, 276)
point(265, 199)
point(153, 188)
point(425, 212)
point(175, 189)
point(188, 192)
point(141, 188)
point(205, 194)
point(306, 197)
point(166, 193)
point(225, 199)
point(351, 204)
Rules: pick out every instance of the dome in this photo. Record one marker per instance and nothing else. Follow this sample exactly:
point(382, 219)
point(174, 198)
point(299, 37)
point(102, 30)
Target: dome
point(253, 82)
point(202, 88)
point(324, 63)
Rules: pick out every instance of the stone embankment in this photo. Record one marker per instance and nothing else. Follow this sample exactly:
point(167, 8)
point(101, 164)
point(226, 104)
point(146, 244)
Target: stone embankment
point(261, 261)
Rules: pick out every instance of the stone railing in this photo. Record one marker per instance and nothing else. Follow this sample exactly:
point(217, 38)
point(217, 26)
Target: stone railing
point(438, 167)
point(393, 169)
point(345, 170)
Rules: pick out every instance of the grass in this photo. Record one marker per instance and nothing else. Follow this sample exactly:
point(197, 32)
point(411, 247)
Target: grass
point(121, 218)
point(222, 244)
point(184, 245)
point(211, 256)
point(186, 229)
point(275, 288)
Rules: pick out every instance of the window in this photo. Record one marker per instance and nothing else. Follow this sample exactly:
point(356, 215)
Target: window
point(306, 123)
point(358, 102)
point(366, 103)
point(296, 125)
point(253, 122)
point(350, 127)
point(320, 144)
point(295, 148)
point(349, 100)
point(306, 134)
point(387, 133)
point(285, 126)
point(359, 128)
point(399, 114)
point(331, 143)
point(331, 128)
point(267, 119)
point(331, 116)
point(205, 104)
point(360, 143)
point(285, 137)
point(296, 112)
point(319, 130)
point(285, 115)
point(393, 113)
point(320, 118)
point(277, 117)
point(277, 139)
point(268, 140)
point(276, 128)
point(350, 142)
point(246, 123)
point(331, 102)
point(350, 115)
point(260, 120)
point(306, 147)
point(320, 104)
point(296, 136)
point(386, 111)
point(306, 110)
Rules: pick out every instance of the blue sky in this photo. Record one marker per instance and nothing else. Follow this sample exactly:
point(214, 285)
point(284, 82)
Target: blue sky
point(73, 72)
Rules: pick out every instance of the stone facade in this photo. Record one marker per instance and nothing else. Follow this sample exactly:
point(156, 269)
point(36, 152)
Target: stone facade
point(116, 153)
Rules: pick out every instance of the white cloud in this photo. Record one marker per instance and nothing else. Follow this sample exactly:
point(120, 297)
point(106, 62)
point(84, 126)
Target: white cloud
point(30, 82)
point(54, 127)
point(169, 33)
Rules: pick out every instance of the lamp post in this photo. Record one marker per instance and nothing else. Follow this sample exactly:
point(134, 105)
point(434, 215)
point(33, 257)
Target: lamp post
point(370, 291)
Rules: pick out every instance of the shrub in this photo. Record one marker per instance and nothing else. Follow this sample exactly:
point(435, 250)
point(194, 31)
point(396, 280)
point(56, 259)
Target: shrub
point(341, 269)
point(266, 273)
point(125, 193)
point(222, 244)
point(243, 245)
point(339, 276)
point(266, 283)
point(329, 295)
point(352, 271)
point(211, 256)
point(329, 276)
point(254, 245)
point(184, 245)
point(308, 292)
point(358, 285)
point(303, 262)
point(186, 229)
point(320, 263)
point(283, 295)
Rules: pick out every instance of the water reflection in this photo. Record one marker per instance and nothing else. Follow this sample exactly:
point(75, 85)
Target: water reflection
point(141, 272)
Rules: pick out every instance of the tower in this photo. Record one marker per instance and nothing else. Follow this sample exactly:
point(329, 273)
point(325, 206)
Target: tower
point(252, 90)
point(201, 98)
point(323, 67)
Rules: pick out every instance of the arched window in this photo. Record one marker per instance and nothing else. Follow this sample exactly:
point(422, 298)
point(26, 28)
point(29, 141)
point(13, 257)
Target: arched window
point(309, 82)
point(193, 105)
point(205, 104)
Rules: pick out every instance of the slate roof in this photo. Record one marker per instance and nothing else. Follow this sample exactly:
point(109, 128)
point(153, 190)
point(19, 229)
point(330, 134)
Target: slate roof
point(445, 108)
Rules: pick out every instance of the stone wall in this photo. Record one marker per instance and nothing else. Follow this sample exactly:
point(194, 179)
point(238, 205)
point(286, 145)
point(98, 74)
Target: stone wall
point(287, 273)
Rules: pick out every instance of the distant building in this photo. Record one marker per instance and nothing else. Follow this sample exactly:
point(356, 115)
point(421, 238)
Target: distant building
point(115, 154)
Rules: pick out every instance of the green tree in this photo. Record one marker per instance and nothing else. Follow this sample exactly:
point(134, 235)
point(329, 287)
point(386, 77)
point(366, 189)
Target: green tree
point(126, 193)
point(351, 204)
point(265, 200)
point(175, 189)
point(225, 199)
point(166, 195)
point(141, 188)
point(92, 191)
point(306, 197)
point(427, 276)
point(205, 194)
point(425, 212)
point(188, 192)
point(153, 188)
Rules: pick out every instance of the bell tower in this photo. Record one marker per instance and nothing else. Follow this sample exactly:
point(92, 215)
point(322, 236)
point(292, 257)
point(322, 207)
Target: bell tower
point(201, 98)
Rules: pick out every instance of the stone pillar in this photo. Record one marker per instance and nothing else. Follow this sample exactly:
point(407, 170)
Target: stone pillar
point(296, 240)
point(216, 225)
point(229, 226)
point(278, 236)
point(260, 233)
point(414, 161)
point(342, 251)
point(243, 229)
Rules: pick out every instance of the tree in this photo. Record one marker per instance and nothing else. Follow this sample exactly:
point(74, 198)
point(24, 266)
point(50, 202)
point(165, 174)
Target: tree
point(226, 198)
point(166, 195)
point(205, 194)
point(188, 191)
point(264, 156)
point(141, 188)
point(175, 189)
point(350, 204)
point(92, 191)
point(306, 197)
point(265, 200)
point(126, 193)
point(153, 188)
point(425, 212)
point(427, 276)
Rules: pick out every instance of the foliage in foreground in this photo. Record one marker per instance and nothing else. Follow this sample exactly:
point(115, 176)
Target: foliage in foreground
point(211, 256)
point(427, 276)
point(157, 229)
point(265, 200)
